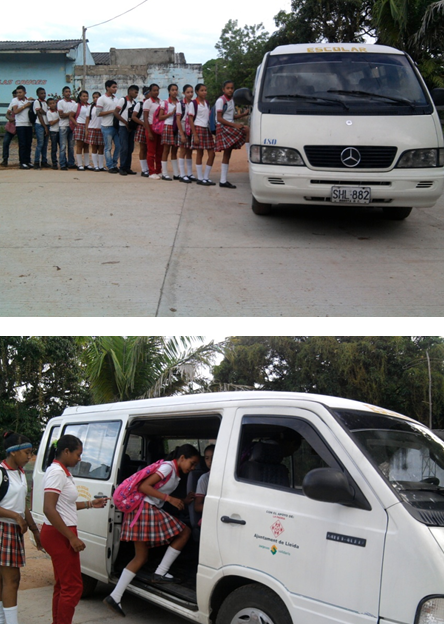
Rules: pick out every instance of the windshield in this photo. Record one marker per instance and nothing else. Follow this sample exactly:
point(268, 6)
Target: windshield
point(342, 83)
point(409, 456)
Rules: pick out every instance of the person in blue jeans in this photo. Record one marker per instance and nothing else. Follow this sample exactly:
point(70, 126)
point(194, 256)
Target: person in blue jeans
point(41, 129)
point(65, 106)
point(8, 135)
point(123, 112)
point(106, 105)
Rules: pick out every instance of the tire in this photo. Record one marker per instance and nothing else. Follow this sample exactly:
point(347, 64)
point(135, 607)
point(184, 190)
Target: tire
point(396, 213)
point(89, 585)
point(259, 208)
point(253, 604)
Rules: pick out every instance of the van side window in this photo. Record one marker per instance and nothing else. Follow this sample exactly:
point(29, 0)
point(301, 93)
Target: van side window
point(54, 435)
point(280, 453)
point(99, 444)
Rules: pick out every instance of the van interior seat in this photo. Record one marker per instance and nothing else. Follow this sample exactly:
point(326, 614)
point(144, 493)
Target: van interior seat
point(264, 465)
point(195, 517)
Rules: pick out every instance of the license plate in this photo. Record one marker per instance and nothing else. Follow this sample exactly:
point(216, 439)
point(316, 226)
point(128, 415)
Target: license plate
point(351, 194)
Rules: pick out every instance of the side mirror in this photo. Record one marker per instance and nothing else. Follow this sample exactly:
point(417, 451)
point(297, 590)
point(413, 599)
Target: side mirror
point(328, 485)
point(438, 96)
point(243, 97)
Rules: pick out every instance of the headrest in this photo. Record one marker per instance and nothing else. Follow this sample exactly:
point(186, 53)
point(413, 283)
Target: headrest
point(266, 453)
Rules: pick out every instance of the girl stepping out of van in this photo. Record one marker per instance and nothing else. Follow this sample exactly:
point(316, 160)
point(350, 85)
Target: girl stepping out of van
point(154, 526)
point(229, 135)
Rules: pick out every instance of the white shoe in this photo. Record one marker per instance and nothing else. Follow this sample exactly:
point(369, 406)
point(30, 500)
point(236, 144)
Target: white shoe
point(155, 176)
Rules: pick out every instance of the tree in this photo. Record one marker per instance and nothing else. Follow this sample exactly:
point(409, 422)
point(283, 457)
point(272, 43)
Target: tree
point(120, 368)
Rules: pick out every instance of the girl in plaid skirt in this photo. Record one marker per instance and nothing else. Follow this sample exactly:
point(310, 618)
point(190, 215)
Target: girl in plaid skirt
point(79, 132)
point(15, 518)
point(170, 133)
point(94, 136)
point(199, 116)
point(154, 526)
point(229, 135)
point(140, 136)
point(185, 152)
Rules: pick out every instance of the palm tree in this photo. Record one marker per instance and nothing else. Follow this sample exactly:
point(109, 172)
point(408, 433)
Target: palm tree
point(121, 368)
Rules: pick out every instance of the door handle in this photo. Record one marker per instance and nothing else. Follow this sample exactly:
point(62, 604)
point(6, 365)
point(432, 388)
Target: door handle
point(228, 520)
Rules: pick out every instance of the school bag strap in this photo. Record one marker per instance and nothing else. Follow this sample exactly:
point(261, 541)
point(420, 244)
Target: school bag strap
point(4, 482)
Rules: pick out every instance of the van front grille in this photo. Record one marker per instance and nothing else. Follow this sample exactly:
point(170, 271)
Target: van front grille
point(351, 183)
point(366, 156)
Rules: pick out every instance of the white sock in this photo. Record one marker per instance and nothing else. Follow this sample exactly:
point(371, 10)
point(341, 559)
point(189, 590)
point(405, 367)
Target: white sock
point(168, 559)
point(182, 167)
point(11, 614)
point(2, 614)
point(199, 172)
point(164, 164)
point(125, 579)
point(175, 167)
point(101, 161)
point(189, 162)
point(79, 160)
point(144, 165)
point(223, 172)
point(86, 157)
point(95, 160)
point(207, 172)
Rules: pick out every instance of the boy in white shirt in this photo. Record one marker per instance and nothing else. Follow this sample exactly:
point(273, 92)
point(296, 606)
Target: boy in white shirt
point(41, 129)
point(106, 105)
point(123, 112)
point(8, 135)
point(65, 106)
point(20, 106)
point(53, 122)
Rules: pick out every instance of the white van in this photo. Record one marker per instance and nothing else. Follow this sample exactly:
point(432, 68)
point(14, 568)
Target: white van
point(319, 509)
point(343, 124)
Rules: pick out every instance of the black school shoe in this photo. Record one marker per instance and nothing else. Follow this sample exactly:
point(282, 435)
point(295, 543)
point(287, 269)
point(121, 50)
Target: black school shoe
point(131, 172)
point(112, 604)
point(158, 578)
point(226, 184)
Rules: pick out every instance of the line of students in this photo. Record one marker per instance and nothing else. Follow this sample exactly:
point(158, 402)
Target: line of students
point(123, 122)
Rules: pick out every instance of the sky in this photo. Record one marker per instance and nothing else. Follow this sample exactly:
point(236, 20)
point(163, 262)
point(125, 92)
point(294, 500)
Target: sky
point(193, 32)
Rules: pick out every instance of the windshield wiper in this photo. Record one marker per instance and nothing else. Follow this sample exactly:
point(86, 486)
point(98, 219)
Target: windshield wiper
point(313, 98)
point(395, 100)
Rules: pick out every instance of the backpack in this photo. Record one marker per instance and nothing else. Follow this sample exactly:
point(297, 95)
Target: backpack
point(132, 124)
point(127, 496)
point(115, 120)
point(187, 121)
point(157, 125)
point(4, 482)
point(32, 115)
point(72, 125)
point(213, 115)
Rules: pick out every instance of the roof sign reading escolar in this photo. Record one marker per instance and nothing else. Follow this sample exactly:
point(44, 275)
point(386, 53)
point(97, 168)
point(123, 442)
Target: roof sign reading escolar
point(336, 49)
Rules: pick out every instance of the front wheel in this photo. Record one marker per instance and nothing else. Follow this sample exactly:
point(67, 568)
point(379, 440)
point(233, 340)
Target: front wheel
point(260, 208)
point(396, 213)
point(253, 604)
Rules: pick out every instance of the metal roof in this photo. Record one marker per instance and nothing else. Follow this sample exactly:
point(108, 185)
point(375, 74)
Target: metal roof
point(39, 46)
point(101, 58)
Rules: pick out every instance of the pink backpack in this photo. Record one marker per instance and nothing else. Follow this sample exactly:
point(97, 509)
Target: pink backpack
point(127, 496)
point(158, 125)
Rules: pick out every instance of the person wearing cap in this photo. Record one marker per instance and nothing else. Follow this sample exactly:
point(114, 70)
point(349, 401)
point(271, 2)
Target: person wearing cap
point(15, 518)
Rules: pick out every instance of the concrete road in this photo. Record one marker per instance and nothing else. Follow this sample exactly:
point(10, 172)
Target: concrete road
point(35, 606)
point(94, 244)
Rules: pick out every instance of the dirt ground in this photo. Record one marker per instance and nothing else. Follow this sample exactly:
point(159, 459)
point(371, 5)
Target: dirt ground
point(38, 569)
point(238, 162)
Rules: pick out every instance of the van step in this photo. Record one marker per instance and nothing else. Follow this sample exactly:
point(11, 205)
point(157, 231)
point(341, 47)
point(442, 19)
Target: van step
point(177, 593)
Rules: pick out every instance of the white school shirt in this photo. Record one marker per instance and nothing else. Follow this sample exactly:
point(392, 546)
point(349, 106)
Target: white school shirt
point(229, 111)
point(120, 104)
point(51, 116)
point(58, 479)
point(151, 106)
point(165, 469)
point(203, 113)
point(66, 107)
point(22, 119)
point(38, 104)
point(84, 109)
point(15, 499)
point(104, 104)
point(202, 485)
point(95, 122)
point(168, 106)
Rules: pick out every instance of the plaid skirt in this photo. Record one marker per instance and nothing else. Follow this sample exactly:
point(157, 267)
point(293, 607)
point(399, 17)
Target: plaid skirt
point(227, 137)
point(79, 132)
point(206, 140)
point(12, 548)
point(140, 136)
point(95, 137)
point(169, 137)
point(154, 526)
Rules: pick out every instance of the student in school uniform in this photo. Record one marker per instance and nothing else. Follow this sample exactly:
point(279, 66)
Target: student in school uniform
point(79, 120)
point(123, 112)
point(53, 118)
point(202, 139)
point(170, 138)
point(15, 519)
point(93, 134)
point(229, 134)
point(65, 106)
point(40, 108)
point(150, 105)
point(185, 159)
point(140, 135)
point(20, 107)
point(155, 526)
point(106, 105)
point(10, 132)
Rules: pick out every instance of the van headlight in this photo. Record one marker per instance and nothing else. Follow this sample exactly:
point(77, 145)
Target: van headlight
point(430, 611)
point(417, 158)
point(272, 155)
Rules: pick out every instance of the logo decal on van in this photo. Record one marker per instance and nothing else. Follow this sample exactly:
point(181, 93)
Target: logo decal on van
point(347, 539)
point(273, 550)
point(277, 528)
point(270, 141)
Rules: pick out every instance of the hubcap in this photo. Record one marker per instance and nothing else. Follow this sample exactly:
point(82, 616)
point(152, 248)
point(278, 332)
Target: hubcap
point(251, 615)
